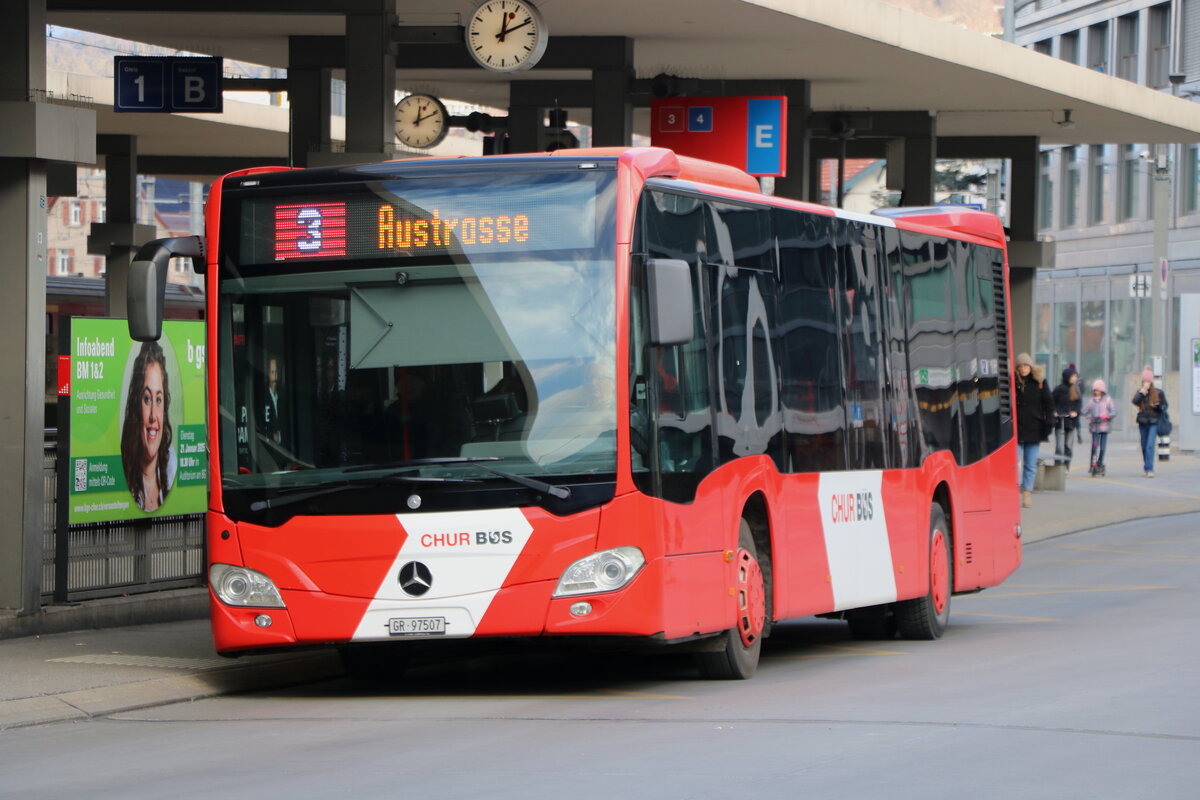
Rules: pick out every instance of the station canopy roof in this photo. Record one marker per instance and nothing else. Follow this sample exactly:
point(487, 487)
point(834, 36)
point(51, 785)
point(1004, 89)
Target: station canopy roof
point(859, 55)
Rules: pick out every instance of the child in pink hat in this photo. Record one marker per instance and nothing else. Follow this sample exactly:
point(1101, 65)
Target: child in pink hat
point(1099, 410)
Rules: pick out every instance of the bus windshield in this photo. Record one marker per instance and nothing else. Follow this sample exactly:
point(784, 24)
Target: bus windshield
point(432, 326)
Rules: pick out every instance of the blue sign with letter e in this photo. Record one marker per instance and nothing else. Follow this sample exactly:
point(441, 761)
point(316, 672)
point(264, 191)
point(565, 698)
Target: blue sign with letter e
point(764, 136)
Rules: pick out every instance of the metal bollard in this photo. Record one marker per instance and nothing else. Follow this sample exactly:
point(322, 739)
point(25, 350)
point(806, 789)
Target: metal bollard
point(1164, 448)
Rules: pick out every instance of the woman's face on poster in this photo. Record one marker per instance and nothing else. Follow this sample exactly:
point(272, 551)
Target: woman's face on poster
point(153, 408)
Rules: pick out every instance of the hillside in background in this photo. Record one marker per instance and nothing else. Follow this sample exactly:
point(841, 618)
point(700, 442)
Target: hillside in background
point(983, 16)
point(82, 53)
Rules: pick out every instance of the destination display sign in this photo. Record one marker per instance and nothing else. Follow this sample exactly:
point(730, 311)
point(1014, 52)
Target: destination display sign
point(418, 219)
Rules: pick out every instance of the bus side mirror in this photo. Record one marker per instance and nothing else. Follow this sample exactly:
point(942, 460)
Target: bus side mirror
point(670, 284)
point(148, 283)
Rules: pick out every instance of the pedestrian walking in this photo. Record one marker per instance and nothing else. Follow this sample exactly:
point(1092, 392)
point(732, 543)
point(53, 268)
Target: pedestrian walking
point(1035, 413)
point(1150, 404)
point(1068, 402)
point(1099, 411)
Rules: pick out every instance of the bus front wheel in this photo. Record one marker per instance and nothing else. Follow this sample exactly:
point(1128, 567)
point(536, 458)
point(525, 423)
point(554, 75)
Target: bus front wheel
point(738, 658)
point(926, 617)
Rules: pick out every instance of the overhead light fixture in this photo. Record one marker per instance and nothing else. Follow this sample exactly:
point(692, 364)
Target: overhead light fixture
point(1066, 123)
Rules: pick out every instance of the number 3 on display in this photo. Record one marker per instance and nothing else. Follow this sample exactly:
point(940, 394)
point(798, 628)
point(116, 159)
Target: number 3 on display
point(309, 219)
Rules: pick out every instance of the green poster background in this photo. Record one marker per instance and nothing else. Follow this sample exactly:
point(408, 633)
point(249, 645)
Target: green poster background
point(102, 365)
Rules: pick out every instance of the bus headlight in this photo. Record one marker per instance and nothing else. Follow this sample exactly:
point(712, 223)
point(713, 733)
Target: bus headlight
point(605, 571)
point(239, 586)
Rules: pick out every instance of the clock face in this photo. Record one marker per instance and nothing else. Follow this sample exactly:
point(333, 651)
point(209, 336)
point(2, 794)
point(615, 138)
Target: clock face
point(421, 121)
point(506, 35)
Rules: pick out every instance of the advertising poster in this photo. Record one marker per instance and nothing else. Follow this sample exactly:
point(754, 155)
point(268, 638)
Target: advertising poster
point(138, 441)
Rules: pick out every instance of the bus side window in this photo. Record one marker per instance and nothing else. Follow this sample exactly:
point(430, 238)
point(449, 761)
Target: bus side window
point(862, 344)
point(927, 276)
point(670, 393)
point(743, 297)
point(814, 420)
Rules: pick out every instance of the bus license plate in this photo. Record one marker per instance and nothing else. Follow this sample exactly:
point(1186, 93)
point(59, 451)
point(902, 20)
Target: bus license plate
point(416, 626)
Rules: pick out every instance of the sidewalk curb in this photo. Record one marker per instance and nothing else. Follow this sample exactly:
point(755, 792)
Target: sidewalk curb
point(112, 612)
point(85, 704)
point(1182, 512)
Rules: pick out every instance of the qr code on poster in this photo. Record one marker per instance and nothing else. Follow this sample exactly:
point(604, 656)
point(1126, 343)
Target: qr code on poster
point(81, 474)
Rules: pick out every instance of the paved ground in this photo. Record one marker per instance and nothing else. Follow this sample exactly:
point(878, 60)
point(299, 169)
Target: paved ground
point(77, 675)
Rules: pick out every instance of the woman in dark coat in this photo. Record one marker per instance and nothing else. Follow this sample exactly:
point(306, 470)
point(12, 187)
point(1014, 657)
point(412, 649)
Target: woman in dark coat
point(1150, 406)
point(1068, 402)
point(1035, 415)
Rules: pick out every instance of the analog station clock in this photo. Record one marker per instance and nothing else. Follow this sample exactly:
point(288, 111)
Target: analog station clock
point(421, 121)
point(506, 35)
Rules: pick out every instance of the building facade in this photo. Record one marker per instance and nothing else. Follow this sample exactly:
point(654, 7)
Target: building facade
point(1094, 309)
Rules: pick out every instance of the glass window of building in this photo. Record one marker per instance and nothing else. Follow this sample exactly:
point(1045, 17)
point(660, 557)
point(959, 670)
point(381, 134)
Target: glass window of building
point(1071, 182)
point(1091, 330)
point(1132, 178)
point(1098, 47)
point(1159, 43)
point(1189, 41)
point(1100, 190)
point(1043, 322)
point(1127, 47)
point(1046, 191)
point(1043, 47)
point(1123, 331)
point(1145, 325)
point(1066, 335)
point(1068, 47)
point(1191, 180)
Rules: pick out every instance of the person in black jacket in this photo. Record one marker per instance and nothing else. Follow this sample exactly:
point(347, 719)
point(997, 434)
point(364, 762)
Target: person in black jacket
point(1035, 415)
point(1150, 406)
point(1068, 402)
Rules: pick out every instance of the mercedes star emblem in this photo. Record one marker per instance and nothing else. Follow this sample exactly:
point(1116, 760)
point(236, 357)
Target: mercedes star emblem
point(415, 578)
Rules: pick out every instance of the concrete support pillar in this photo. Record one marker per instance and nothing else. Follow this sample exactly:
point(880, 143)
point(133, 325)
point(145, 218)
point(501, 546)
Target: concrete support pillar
point(612, 102)
point(1023, 194)
point(23, 262)
point(1021, 281)
point(309, 97)
point(920, 163)
point(814, 180)
point(119, 236)
point(612, 107)
point(1025, 254)
point(798, 182)
point(524, 122)
point(370, 84)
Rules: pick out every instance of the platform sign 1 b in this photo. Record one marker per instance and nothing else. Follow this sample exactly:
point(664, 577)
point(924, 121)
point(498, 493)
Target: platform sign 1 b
point(167, 84)
point(749, 133)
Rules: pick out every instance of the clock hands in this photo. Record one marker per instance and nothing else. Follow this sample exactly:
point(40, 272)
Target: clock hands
point(502, 33)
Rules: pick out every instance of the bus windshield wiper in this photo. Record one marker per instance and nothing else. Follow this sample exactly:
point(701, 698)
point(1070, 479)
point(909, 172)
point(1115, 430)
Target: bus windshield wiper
point(561, 492)
point(412, 463)
point(297, 494)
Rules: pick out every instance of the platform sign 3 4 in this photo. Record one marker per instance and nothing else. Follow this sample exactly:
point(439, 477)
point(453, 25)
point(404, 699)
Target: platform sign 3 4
point(749, 133)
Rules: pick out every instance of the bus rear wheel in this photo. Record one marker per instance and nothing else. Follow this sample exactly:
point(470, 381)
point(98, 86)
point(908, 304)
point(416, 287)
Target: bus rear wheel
point(926, 617)
point(742, 644)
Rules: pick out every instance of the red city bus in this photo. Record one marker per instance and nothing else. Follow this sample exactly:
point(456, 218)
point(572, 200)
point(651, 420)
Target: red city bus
point(599, 393)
